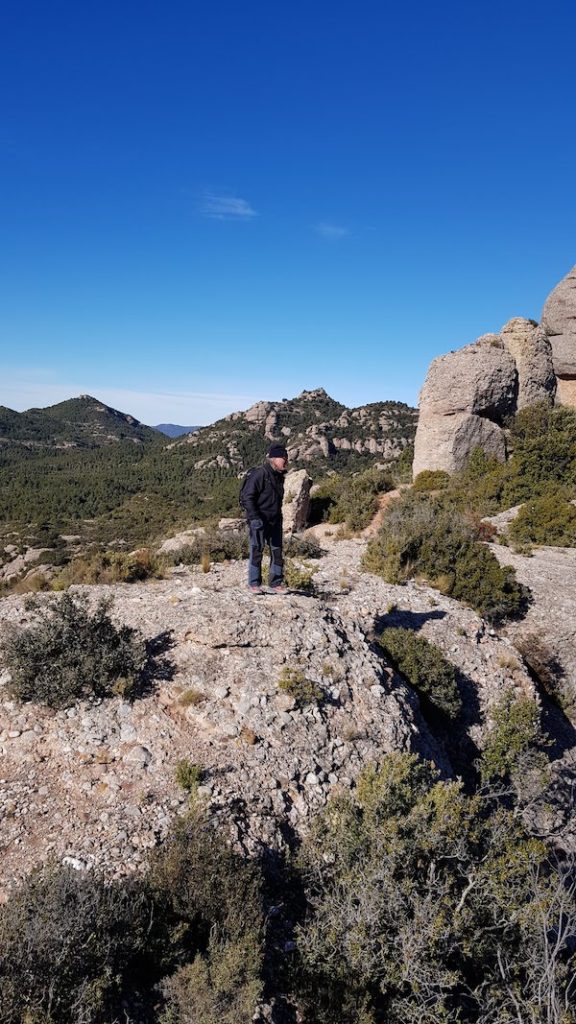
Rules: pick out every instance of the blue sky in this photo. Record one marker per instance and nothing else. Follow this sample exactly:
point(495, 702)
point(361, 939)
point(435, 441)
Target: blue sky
point(202, 205)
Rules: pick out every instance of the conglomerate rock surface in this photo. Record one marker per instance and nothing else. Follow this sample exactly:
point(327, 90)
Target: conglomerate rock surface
point(96, 783)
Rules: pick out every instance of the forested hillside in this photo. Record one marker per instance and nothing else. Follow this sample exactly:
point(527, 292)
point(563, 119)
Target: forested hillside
point(80, 468)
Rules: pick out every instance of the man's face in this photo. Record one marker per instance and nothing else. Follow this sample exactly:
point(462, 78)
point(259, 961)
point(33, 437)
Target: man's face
point(279, 463)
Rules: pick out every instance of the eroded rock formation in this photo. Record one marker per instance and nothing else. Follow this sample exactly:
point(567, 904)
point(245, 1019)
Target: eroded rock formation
point(469, 393)
point(559, 322)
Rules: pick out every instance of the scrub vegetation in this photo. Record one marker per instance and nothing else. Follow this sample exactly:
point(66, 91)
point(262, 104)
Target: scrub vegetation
point(409, 900)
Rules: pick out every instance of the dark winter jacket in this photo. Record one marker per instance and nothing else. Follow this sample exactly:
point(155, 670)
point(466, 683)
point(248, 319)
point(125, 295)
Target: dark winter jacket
point(262, 494)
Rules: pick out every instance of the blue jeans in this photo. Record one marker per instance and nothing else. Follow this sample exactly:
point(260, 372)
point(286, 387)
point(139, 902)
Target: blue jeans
point(271, 534)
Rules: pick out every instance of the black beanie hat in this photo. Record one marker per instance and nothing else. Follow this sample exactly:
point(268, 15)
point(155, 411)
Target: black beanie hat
point(277, 451)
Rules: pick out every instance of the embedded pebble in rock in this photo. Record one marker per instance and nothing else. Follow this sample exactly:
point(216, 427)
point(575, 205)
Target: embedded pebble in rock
point(97, 782)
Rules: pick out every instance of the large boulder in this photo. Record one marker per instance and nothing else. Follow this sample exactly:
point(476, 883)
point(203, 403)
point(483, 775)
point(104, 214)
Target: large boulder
point(480, 379)
point(559, 322)
point(446, 442)
point(466, 397)
point(296, 506)
point(469, 394)
point(529, 346)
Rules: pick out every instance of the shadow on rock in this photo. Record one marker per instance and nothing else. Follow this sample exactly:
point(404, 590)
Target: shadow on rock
point(158, 667)
point(406, 619)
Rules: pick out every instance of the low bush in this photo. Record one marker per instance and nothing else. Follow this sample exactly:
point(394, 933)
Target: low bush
point(544, 665)
point(513, 737)
point(350, 500)
point(217, 545)
point(420, 537)
point(72, 652)
point(549, 519)
point(214, 901)
point(304, 691)
point(357, 498)
point(109, 567)
point(188, 775)
point(182, 943)
point(490, 588)
point(75, 950)
point(302, 547)
point(543, 458)
point(192, 697)
point(401, 468)
point(431, 480)
point(297, 576)
point(424, 666)
point(426, 905)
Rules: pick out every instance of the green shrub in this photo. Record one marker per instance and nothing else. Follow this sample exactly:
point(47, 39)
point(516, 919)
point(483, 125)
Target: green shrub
point(514, 733)
point(425, 668)
point(431, 480)
point(543, 457)
point(304, 691)
point(545, 666)
point(188, 775)
point(420, 537)
point(215, 901)
point(302, 547)
point(219, 545)
point(549, 519)
point(71, 653)
point(356, 498)
point(296, 576)
point(78, 950)
point(543, 449)
point(299, 577)
point(350, 500)
point(424, 905)
point(488, 587)
point(221, 986)
point(74, 950)
point(401, 468)
point(323, 499)
point(109, 567)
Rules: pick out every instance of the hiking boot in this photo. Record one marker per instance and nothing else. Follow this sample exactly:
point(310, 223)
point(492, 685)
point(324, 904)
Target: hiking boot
point(255, 588)
point(280, 588)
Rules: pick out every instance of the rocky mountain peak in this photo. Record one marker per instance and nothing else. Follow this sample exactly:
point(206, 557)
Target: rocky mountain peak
point(313, 426)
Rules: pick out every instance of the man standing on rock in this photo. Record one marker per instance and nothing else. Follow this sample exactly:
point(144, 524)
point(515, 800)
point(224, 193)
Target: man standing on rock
point(261, 498)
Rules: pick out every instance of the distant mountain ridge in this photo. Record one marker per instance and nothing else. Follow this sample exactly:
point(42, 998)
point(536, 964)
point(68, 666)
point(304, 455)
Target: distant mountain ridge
point(82, 468)
point(174, 429)
point(77, 422)
point(313, 426)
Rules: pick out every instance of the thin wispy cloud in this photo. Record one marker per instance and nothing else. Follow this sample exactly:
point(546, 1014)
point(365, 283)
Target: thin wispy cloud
point(225, 207)
point(331, 231)
point(37, 388)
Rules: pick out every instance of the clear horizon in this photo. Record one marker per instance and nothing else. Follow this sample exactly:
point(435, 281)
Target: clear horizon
point(206, 206)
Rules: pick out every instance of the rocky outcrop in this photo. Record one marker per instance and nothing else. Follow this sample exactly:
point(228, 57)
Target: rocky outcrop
point(313, 426)
point(530, 348)
point(446, 442)
point(479, 379)
point(465, 399)
point(96, 783)
point(559, 322)
point(469, 394)
point(296, 507)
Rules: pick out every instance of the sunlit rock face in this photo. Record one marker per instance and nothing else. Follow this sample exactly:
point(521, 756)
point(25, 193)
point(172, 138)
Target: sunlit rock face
point(559, 322)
